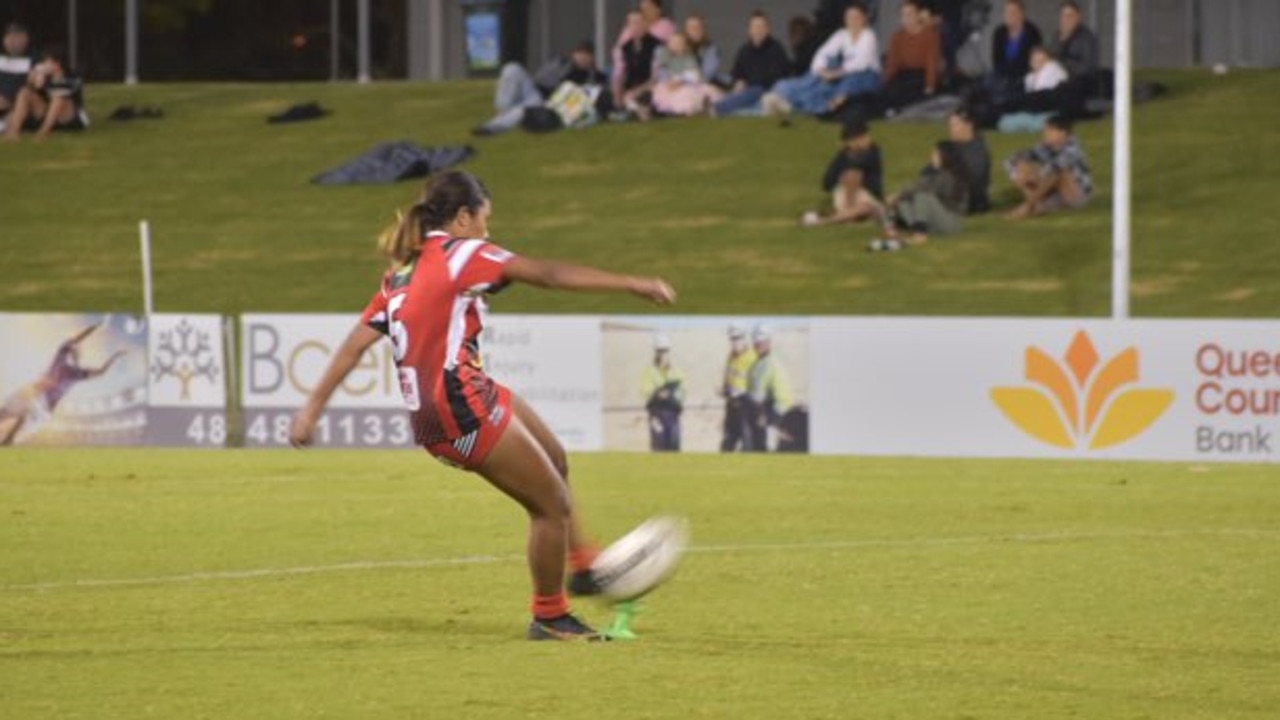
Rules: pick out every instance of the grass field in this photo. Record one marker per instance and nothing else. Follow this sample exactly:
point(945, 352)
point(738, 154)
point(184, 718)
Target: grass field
point(710, 204)
point(153, 584)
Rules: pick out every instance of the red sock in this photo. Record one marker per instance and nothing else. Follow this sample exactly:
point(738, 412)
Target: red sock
point(546, 607)
point(581, 557)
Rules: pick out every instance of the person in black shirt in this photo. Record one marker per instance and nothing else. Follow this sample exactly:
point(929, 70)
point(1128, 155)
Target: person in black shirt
point(637, 67)
point(805, 42)
point(15, 65)
point(53, 99)
point(1011, 51)
point(855, 179)
point(963, 132)
point(761, 62)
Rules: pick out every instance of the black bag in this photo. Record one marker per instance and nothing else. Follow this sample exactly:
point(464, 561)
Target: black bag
point(541, 119)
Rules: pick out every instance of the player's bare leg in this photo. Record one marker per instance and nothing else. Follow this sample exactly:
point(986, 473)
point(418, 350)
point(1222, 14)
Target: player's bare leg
point(555, 451)
point(521, 468)
point(9, 435)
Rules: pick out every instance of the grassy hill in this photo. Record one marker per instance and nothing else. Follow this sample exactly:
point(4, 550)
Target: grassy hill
point(710, 204)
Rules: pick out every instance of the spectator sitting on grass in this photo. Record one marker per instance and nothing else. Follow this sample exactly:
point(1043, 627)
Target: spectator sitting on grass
point(962, 131)
point(1011, 51)
point(805, 41)
point(854, 177)
point(1046, 73)
point(517, 91)
point(705, 49)
point(1075, 45)
point(681, 88)
point(651, 22)
point(15, 65)
point(1053, 175)
point(847, 65)
point(635, 89)
point(761, 62)
point(934, 205)
point(53, 99)
point(913, 66)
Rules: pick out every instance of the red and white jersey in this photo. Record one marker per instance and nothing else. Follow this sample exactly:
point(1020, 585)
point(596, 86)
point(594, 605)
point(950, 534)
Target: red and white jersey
point(433, 309)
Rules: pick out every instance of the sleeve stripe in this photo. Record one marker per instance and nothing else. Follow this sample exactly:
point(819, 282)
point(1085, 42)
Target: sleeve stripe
point(461, 255)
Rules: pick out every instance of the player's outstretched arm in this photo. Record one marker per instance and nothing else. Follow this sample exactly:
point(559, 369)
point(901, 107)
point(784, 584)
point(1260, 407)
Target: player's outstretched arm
point(96, 372)
point(563, 276)
point(80, 336)
point(344, 361)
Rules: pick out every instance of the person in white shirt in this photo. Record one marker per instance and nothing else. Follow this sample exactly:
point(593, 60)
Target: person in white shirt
point(847, 65)
point(1046, 73)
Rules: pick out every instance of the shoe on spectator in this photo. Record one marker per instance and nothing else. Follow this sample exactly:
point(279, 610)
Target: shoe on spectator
point(810, 219)
point(884, 245)
point(774, 104)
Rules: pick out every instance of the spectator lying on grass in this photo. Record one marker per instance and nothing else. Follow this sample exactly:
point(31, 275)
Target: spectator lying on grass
point(53, 99)
point(1053, 175)
point(934, 205)
point(854, 178)
point(760, 62)
point(517, 90)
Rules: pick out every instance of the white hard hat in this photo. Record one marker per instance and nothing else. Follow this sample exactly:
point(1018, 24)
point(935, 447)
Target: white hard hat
point(661, 342)
point(761, 333)
point(737, 331)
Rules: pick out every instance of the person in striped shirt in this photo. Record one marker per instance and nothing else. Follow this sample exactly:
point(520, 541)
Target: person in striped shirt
point(431, 305)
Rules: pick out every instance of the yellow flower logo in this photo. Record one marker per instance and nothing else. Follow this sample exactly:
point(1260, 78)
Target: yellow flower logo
point(1080, 402)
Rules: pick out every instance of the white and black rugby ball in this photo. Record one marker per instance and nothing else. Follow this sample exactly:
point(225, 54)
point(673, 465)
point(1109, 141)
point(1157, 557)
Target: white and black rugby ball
point(642, 559)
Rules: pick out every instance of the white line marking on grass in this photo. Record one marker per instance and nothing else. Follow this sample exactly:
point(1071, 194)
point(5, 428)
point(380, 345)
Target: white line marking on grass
point(918, 542)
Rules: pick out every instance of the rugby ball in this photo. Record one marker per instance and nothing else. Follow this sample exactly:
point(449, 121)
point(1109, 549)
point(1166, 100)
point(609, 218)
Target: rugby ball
point(642, 559)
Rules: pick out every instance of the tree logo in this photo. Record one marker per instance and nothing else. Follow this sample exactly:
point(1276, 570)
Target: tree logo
point(184, 353)
point(1081, 403)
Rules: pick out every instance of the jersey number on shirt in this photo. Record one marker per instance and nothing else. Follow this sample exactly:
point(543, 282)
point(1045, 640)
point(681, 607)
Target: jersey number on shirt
point(400, 342)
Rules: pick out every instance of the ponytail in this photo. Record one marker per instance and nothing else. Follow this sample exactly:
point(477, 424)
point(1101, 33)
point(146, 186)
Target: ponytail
point(443, 198)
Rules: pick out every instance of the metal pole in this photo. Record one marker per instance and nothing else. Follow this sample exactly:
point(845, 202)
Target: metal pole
point(1121, 201)
point(435, 39)
point(362, 29)
point(335, 47)
point(602, 37)
point(130, 42)
point(73, 56)
point(144, 237)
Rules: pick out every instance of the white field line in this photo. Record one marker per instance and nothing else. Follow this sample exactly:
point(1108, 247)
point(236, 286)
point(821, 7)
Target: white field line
point(918, 542)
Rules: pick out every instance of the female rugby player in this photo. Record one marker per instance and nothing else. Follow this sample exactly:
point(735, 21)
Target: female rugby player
point(431, 305)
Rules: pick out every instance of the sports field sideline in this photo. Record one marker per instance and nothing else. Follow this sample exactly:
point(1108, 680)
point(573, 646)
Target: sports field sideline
point(349, 585)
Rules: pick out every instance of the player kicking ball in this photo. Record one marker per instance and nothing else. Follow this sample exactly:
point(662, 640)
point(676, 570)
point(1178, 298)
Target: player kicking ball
point(431, 305)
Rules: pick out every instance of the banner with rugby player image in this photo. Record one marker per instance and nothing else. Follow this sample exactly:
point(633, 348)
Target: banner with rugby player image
point(1139, 390)
point(187, 393)
point(72, 379)
point(706, 384)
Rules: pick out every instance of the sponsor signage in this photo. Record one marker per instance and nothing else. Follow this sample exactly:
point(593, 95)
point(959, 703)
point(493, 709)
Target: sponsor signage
point(72, 379)
point(1144, 389)
point(554, 362)
point(186, 381)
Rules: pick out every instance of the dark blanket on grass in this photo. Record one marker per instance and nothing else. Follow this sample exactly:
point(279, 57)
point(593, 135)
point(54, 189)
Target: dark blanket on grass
point(393, 162)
